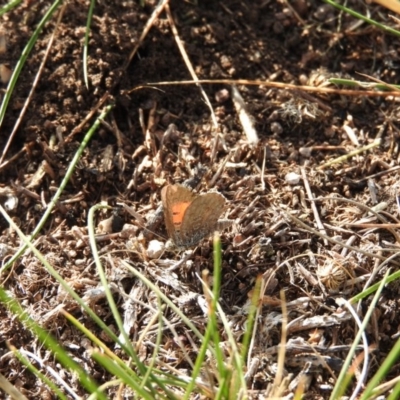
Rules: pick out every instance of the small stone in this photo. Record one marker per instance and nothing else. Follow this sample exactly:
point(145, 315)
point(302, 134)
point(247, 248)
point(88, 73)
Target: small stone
point(155, 249)
point(222, 95)
point(305, 151)
point(276, 128)
point(292, 178)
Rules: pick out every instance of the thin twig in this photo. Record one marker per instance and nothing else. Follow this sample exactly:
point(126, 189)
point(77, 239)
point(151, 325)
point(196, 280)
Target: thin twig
point(378, 174)
point(378, 215)
point(15, 156)
point(146, 30)
point(189, 65)
point(219, 171)
point(320, 225)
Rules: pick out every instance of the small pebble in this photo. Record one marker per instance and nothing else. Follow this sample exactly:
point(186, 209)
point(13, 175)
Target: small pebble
point(222, 95)
point(11, 203)
point(305, 151)
point(155, 249)
point(292, 178)
point(276, 128)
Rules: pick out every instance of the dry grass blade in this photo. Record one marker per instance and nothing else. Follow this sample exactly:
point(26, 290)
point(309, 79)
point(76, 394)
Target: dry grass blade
point(245, 119)
point(314, 228)
point(189, 66)
point(280, 85)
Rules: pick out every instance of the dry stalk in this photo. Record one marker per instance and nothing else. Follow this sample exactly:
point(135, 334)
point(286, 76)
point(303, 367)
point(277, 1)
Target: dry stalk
point(263, 170)
point(313, 206)
point(245, 118)
point(280, 85)
point(219, 171)
point(189, 64)
point(341, 159)
point(277, 385)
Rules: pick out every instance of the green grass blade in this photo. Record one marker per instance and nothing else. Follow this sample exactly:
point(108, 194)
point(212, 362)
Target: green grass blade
point(340, 385)
point(105, 284)
point(255, 298)
point(382, 372)
point(165, 299)
point(395, 395)
point(94, 339)
point(117, 360)
point(121, 373)
point(25, 361)
point(8, 7)
point(50, 343)
point(363, 85)
point(223, 370)
point(110, 299)
point(23, 58)
point(63, 184)
point(86, 42)
point(362, 17)
point(62, 282)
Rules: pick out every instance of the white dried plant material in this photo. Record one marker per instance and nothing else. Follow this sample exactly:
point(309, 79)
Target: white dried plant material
point(145, 165)
point(271, 320)
point(202, 302)
point(9, 198)
point(37, 178)
point(383, 205)
point(131, 309)
point(106, 225)
point(332, 274)
point(351, 134)
point(292, 178)
point(129, 230)
point(222, 95)
point(4, 250)
point(252, 369)
point(305, 151)
point(261, 250)
point(50, 316)
point(304, 377)
point(11, 203)
point(107, 157)
point(245, 118)
point(185, 155)
point(314, 361)
point(94, 295)
point(319, 321)
point(155, 249)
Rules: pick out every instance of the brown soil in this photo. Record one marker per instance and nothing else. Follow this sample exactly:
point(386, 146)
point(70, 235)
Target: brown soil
point(129, 162)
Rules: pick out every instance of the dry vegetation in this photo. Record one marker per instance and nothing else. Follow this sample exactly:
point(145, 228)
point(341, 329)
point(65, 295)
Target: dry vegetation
point(313, 230)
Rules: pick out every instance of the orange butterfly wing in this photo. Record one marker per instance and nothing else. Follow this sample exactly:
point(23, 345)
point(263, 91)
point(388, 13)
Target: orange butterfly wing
point(190, 217)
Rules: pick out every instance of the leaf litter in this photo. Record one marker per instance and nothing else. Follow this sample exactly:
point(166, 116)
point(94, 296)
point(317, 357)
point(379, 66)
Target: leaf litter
point(310, 178)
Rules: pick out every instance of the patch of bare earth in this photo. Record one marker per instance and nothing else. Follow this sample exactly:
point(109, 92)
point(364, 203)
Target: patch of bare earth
point(136, 152)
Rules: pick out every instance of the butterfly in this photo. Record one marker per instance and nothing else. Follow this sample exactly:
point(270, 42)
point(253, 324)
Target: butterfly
point(190, 217)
